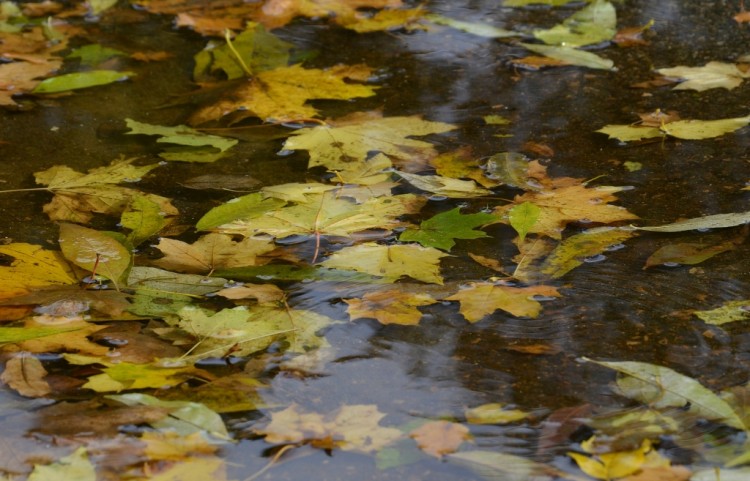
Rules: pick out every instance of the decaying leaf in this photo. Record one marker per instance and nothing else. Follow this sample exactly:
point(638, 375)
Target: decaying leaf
point(389, 307)
point(391, 262)
point(571, 56)
point(350, 428)
point(481, 299)
point(26, 374)
point(349, 140)
point(688, 253)
point(438, 438)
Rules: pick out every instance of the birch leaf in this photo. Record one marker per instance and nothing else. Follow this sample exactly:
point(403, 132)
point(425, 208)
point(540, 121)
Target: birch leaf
point(390, 262)
point(482, 299)
point(663, 387)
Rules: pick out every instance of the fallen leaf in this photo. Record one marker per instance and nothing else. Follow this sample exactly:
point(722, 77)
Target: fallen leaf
point(742, 17)
point(607, 466)
point(262, 293)
point(446, 186)
point(710, 76)
point(161, 282)
point(494, 413)
point(571, 56)
point(441, 230)
point(662, 473)
point(281, 95)
point(212, 468)
point(716, 221)
point(438, 438)
point(126, 376)
point(27, 266)
point(575, 250)
point(170, 446)
point(688, 253)
point(93, 418)
point(594, 23)
point(680, 129)
point(228, 394)
point(523, 3)
point(474, 28)
point(522, 217)
point(277, 13)
point(386, 20)
point(460, 164)
point(630, 36)
point(350, 428)
point(80, 80)
point(246, 207)
point(497, 465)
point(144, 218)
point(233, 183)
point(25, 374)
point(481, 299)
point(93, 54)
point(197, 146)
point(391, 262)
point(510, 168)
point(73, 338)
point(211, 252)
point(75, 467)
point(350, 140)
point(731, 311)
point(94, 251)
point(389, 307)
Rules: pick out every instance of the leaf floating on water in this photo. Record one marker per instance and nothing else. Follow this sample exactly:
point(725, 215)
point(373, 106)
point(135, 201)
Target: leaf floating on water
point(93, 54)
point(94, 251)
point(663, 387)
point(386, 20)
point(522, 217)
point(629, 133)
point(716, 221)
point(460, 164)
point(75, 467)
point(687, 253)
point(576, 249)
point(474, 28)
point(211, 252)
point(493, 466)
point(710, 76)
point(452, 188)
point(441, 230)
point(9, 335)
point(571, 56)
point(246, 207)
point(438, 438)
point(607, 466)
point(144, 218)
point(482, 299)
point(680, 129)
point(594, 23)
point(731, 311)
point(721, 474)
point(391, 262)
point(30, 267)
point(25, 374)
point(494, 413)
point(389, 307)
point(80, 80)
point(180, 135)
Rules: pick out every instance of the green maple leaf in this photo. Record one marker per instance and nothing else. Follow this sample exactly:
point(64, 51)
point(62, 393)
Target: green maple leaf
point(441, 230)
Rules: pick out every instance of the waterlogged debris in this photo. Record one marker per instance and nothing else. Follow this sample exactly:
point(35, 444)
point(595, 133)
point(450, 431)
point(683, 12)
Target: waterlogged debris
point(481, 299)
point(571, 56)
point(75, 467)
point(595, 23)
point(494, 465)
point(732, 311)
point(441, 230)
point(660, 387)
point(522, 217)
point(710, 76)
point(607, 466)
point(389, 307)
point(680, 129)
point(474, 28)
point(716, 221)
point(494, 413)
point(574, 251)
point(80, 80)
point(689, 253)
point(438, 438)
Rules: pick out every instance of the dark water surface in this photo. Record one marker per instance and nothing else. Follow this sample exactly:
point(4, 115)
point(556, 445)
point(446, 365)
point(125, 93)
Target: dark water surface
point(612, 309)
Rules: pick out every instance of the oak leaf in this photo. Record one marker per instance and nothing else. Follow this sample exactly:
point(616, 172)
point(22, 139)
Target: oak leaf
point(389, 307)
point(281, 95)
point(390, 262)
point(350, 428)
point(482, 299)
point(350, 140)
point(438, 438)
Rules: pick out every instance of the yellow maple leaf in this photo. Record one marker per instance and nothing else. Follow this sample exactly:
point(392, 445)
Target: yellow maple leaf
point(391, 19)
point(211, 252)
point(390, 262)
point(613, 465)
point(566, 200)
point(31, 267)
point(171, 446)
point(390, 306)
point(281, 95)
point(75, 341)
point(277, 13)
point(484, 298)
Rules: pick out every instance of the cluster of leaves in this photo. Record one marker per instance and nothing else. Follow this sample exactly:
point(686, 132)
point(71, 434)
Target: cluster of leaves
point(354, 228)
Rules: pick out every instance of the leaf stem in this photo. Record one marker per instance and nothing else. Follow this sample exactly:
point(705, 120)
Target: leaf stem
point(35, 189)
point(237, 55)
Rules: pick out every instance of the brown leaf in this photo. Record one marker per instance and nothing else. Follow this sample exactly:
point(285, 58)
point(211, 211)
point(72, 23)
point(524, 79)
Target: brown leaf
point(211, 252)
point(630, 36)
point(277, 13)
point(437, 438)
point(536, 62)
point(742, 17)
point(481, 299)
point(91, 418)
point(155, 56)
point(262, 293)
point(389, 307)
point(132, 346)
point(73, 341)
point(560, 425)
point(658, 117)
point(687, 253)
point(661, 473)
point(26, 374)
point(71, 300)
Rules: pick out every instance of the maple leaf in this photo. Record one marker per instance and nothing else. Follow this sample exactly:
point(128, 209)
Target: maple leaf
point(277, 13)
point(437, 438)
point(392, 19)
point(75, 340)
point(681, 129)
point(75, 466)
point(281, 95)
point(328, 214)
point(28, 266)
point(594, 23)
point(565, 200)
point(125, 375)
point(447, 186)
point(78, 196)
point(211, 252)
point(390, 307)
point(390, 262)
point(349, 140)
point(484, 298)
point(461, 165)
point(350, 428)
point(710, 76)
point(441, 230)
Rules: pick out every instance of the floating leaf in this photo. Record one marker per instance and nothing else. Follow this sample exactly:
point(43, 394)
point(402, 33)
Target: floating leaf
point(94, 54)
point(474, 28)
point(212, 468)
point(391, 262)
point(460, 164)
point(160, 281)
point(184, 136)
point(384, 20)
point(80, 80)
point(94, 251)
point(493, 465)
point(721, 474)
point(482, 299)
point(144, 218)
point(592, 24)
point(571, 56)
point(710, 76)
point(681, 129)
point(662, 387)
point(731, 311)
point(29, 266)
point(494, 413)
point(510, 168)
point(438, 438)
point(437, 184)
point(629, 133)
point(124, 375)
point(687, 253)
point(247, 207)
point(75, 467)
point(350, 140)
point(25, 374)
point(277, 13)
point(389, 307)
point(608, 466)
point(19, 334)
point(716, 221)
point(350, 428)
point(441, 230)
point(576, 249)
point(522, 217)
point(211, 252)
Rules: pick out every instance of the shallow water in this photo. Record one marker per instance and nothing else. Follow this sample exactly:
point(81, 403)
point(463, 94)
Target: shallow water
point(610, 309)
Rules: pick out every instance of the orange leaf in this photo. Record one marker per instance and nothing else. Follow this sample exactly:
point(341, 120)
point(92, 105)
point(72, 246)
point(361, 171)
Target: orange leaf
point(437, 438)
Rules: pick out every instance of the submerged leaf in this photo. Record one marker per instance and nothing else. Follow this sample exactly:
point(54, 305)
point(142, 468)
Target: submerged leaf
point(441, 230)
point(75, 467)
point(662, 387)
point(180, 135)
point(607, 466)
point(493, 465)
point(80, 80)
point(452, 188)
point(576, 249)
point(687, 253)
